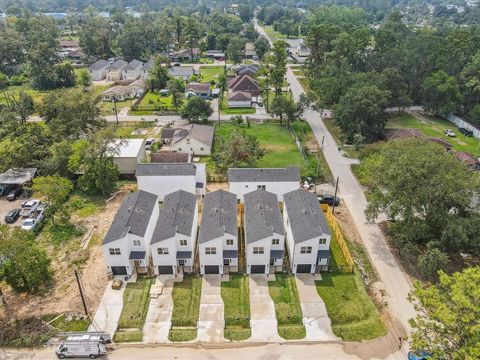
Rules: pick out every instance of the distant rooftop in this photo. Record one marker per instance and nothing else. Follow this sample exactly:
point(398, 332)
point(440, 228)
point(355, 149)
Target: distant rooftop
point(219, 216)
point(130, 147)
point(151, 169)
point(290, 173)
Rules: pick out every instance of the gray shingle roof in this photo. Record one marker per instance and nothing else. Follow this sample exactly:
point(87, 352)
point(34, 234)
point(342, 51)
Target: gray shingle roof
point(100, 64)
point(202, 133)
point(219, 216)
point(132, 216)
point(184, 254)
point(148, 65)
point(230, 254)
point(134, 64)
point(262, 216)
point(290, 173)
point(153, 169)
point(181, 71)
point(276, 254)
point(176, 216)
point(305, 215)
point(117, 65)
point(137, 255)
point(323, 254)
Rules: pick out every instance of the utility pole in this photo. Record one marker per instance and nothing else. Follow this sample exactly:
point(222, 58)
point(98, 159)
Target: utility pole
point(115, 106)
point(80, 288)
point(335, 196)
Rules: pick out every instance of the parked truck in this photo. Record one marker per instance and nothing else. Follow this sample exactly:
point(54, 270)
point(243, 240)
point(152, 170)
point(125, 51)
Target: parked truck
point(83, 344)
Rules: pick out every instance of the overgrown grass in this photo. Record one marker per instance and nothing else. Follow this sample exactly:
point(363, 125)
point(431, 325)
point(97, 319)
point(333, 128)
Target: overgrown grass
point(85, 207)
point(236, 299)
point(284, 294)
point(136, 299)
point(210, 73)
point(63, 324)
point(61, 233)
point(31, 332)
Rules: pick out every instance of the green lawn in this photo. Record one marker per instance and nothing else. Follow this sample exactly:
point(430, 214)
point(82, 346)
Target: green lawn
point(235, 295)
point(124, 130)
point(152, 98)
point(186, 308)
point(210, 73)
point(272, 34)
point(238, 111)
point(434, 127)
point(287, 306)
point(136, 299)
point(62, 324)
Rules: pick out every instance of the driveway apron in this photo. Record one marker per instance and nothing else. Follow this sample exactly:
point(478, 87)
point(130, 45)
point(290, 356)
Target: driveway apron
point(211, 321)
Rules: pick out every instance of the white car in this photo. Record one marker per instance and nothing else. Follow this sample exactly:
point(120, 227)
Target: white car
point(29, 207)
point(449, 133)
point(149, 143)
point(31, 223)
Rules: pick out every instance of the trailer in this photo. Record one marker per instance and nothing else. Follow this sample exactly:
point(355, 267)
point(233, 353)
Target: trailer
point(83, 344)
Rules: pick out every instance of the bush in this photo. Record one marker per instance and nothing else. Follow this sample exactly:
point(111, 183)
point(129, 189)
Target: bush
point(31, 332)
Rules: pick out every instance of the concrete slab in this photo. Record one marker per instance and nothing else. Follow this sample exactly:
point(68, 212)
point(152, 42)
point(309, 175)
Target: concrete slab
point(211, 322)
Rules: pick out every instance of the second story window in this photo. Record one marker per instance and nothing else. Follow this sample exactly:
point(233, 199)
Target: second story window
point(114, 251)
point(183, 242)
point(306, 250)
point(258, 250)
point(261, 187)
point(210, 251)
point(275, 241)
point(137, 242)
point(322, 241)
point(162, 251)
point(229, 241)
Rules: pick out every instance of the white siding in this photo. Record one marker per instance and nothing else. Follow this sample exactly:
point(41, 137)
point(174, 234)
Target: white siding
point(163, 185)
point(117, 260)
point(239, 104)
point(126, 166)
point(278, 188)
point(191, 146)
point(99, 74)
point(164, 260)
point(131, 74)
point(216, 259)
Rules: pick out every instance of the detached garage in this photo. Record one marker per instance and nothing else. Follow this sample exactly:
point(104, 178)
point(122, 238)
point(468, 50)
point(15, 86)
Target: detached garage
point(130, 153)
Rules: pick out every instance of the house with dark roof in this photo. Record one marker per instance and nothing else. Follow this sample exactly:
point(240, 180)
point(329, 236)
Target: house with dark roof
point(163, 179)
point(98, 70)
point(182, 72)
point(247, 69)
point(170, 157)
point(308, 233)
point(126, 246)
point(115, 70)
point(239, 99)
point(244, 83)
point(185, 55)
point(218, 236)
point(145, 70)
point(276, 180)
point(174, 238)
point(194, 139)
point(264, 233)
point(198, 89)
point(133, 70)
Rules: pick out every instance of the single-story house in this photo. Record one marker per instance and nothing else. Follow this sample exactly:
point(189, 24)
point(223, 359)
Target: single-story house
point(115, 70)
point(133, 70)
point(126, 246)
point(244, 83)
point(16, 177)
point(98, 70)
point(125, 92)
point(163, 179)
point(215, 54)
point(145, 71)
point(198, 89)
point(308, 233)
point(276, 180)
point(247, 69)
point(239, 99)
point(218, 236)
point(185, 55)
point(170, 157)
point(194, 139)
point(250, 52)
point(130, 153)
point(264, 233)
point(174, 239)
point(182, 72)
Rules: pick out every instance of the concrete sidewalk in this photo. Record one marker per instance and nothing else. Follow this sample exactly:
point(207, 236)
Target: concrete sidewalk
point(263, 320)
point(211, 321)
point(315, 317)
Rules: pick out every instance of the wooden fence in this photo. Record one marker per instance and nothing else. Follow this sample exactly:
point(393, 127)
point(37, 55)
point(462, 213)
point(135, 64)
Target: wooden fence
point(340, 238)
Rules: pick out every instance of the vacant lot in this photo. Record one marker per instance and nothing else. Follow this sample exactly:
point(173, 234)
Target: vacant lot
point(186, 308)
point(272, 34)
point(287, 307)
point(210, 73)
point(235, 295)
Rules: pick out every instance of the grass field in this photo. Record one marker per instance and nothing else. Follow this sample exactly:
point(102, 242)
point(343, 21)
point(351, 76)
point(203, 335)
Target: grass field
point(135, 303)
point(62, 324)
point(152, 98)
point(287, 307)
point(210, 73)
point(272, 34)
point(235, 295)
point(238, 111)
point(186, 308)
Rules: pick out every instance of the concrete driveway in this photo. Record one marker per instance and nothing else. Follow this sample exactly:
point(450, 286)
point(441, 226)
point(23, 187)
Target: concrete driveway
point(263, 320)
point(159, 315)
point(211, 321)
point(315, 318)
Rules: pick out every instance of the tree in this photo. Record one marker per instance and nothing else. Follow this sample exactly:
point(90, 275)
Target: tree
point(192, 33)
point(55, 190)
point(176, 89)
point(196, 109)
point(84, 78)
point(441, 94)
point(285, 106)
point(262, 46)
point(471, 79)
point(235, 49)
point(3, 81)
point(64, 75)
point(431, 262)
point(158, 75)
point(96, 35)
point(24, 266)
point(448, 313)
point(237, 149)
point(279, 59)
point(24, 106)
point(360, 111)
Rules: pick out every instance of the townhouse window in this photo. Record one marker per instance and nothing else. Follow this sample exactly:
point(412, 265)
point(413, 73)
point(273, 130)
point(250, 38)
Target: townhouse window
point(188, 141)
point(162, 251)
point(261, 187)
point(229, 241)
point(201, 149)
point(322, 241)
point(258, 250)
point(114, 251)
point(275, 241)
point(306, 250)
point(181, 262)
point(179, 149)
point(210, 251)
point(183, 242)
point(137, 242)
point(226, 262)
point(272, 262)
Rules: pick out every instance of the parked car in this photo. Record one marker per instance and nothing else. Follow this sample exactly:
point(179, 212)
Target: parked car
point(29, 207)
point(419, 355)
point(12, 216)
point(465, 132)
point(6, 188)
point(329, 199)
point(42, 206)
point(449, 132)
point(149, 143)
point(14, 194)
point(32, 222)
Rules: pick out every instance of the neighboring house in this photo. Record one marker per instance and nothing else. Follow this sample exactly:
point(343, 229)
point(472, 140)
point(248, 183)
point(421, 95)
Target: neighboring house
point(303, 50)
point(125, 92)
point(247, 69)
point(126, 244)
point(276, 180)
point(133, 70)
point(244, 83)
point(215, 54)
point(182, 72)
point(98, 70)
point(218, 236)
point(145, 71)
point(198, 89)
point(69, 44)
point(193, 139)
point(131, 153)
point(185, 55)
point(308, 234)
point(175, 236)
point(170, 157)
point(264, 233)
point(239, 99)
point(115, 70)
point(163, 179)
point(250, 52)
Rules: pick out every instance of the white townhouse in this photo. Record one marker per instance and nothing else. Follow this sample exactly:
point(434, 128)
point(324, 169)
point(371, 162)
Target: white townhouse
point(98, 70)
point(175, 236)
point(163, 179)
point(115, 70)
point(308, 233)
point(130, 153)
point(193, 139)
point(218, 236)
point(276, 180)
point(126, 244)
point(264, 233)
point(145, 71)
point(132, 70)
